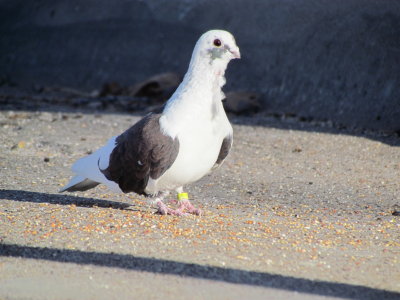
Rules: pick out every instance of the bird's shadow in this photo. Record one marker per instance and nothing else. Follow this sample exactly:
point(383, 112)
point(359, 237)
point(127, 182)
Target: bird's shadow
point(61, 199)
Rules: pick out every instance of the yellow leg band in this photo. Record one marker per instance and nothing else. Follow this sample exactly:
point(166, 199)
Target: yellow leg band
point(183, 196)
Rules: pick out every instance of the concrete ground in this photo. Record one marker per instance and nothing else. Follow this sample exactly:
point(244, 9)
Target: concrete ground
point(298, 211)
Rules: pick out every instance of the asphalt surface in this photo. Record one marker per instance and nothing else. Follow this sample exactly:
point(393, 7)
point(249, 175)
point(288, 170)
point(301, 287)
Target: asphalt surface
point(299, 210)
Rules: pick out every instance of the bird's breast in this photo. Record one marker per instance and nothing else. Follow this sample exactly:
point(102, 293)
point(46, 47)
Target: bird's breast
point(199, 147)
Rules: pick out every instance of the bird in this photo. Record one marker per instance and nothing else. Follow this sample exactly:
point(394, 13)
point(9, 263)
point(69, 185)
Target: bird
point(179, 145)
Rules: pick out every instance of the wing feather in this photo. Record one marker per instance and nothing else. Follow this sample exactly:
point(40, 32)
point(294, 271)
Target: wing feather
point(224, 151)
point(141, 152)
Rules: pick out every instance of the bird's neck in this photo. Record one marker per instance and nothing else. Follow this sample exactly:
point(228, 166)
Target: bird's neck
point(199, 96)
point(203, 67)
point(202, 83)
point(205, 75)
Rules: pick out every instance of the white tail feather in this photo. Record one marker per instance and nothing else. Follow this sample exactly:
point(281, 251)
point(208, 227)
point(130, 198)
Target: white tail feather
point(88, 167)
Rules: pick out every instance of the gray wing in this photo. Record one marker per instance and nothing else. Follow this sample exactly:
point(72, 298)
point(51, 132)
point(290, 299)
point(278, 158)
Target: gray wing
point(224, 151)
point(141, 152)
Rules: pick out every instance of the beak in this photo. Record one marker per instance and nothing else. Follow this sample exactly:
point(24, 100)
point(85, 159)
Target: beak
point(236, 53)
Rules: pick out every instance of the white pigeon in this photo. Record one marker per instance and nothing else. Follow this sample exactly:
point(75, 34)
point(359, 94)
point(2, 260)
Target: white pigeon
point(166, 151)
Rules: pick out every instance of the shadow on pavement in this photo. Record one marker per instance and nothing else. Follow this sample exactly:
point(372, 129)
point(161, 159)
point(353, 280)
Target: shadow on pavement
point(130, 262)
point(36, 197)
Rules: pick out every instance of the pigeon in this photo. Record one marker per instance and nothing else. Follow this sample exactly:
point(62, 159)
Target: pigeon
point(164, 151)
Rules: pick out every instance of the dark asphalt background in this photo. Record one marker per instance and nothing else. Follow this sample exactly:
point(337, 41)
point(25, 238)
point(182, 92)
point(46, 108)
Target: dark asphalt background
point(322, 59)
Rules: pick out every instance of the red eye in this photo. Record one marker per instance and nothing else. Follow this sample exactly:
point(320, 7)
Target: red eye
point(217, 43)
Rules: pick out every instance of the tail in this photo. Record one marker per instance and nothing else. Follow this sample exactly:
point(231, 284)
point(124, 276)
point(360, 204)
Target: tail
point(79, 184)
point(87, 170)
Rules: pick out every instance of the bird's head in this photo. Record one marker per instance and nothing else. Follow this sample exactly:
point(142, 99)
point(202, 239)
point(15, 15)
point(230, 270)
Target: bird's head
point(216, 48)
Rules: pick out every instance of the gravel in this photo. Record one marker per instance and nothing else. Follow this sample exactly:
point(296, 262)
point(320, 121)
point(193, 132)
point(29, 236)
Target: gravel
point(299, 209)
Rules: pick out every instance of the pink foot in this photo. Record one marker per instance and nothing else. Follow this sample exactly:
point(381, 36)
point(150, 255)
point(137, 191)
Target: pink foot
point(180, 211)
point(186, 205)
point(165, 210)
